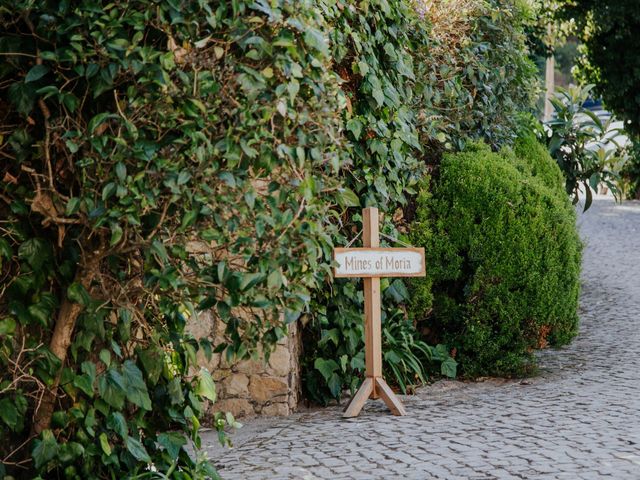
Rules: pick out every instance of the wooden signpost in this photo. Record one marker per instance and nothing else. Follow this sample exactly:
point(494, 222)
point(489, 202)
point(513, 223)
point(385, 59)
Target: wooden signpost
point(372, 262)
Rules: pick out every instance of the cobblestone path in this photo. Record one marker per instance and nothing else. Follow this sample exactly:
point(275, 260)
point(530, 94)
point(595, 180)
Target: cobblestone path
point(580, 419)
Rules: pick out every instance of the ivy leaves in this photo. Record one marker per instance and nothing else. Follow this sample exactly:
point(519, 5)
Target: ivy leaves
point(375, 47)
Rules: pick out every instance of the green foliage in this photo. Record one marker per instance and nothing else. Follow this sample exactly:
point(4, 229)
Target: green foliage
point(504, 258)
point(411, 94)
point(477, 76)
point(406, 358)
point(334, 345)
point(532, 157)
point(609, 33)
point(373, 47)
point(158, 159)
point(631, 172)
point(585, 149)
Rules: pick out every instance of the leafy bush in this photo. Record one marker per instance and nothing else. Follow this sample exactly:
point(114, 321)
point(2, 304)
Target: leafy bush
point(587, 151)
point(334, 345)
point(373, 48)
point(158, 158)
point(412, 93)
point(608, 31)
point(503, 256)
point(477, 73)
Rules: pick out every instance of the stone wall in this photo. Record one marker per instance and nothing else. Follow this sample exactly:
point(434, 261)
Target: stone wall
point(253, 387)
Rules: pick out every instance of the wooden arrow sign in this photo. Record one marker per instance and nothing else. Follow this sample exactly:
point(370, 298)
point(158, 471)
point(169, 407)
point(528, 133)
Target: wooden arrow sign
point(372, 263)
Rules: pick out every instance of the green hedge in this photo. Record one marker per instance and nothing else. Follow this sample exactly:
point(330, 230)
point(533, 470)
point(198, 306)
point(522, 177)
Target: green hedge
point(503, 258)
point(411, 95)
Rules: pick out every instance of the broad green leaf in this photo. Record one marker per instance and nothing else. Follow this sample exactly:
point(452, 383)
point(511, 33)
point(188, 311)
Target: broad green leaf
point(172, 442)
point(348, 198)
point(326, 367)
point(45, 449)
point(112, 388)
point(174, 388)
point(105, 356)
point(448, 367)
point(136, 387)
point(189, 218)
point(137, 449)
point(36, 73)
point(151, 359)
point(250, 279)
point(70, 451)
point(73, 205)
point(355, 127)
point(118, 424)
point(398, 291)
point(5, 249)
point(40, 313)
point(332, 334)
point(108, 190)
point(315, 39)
point(275, 279)
point(7, 326)
point(84, 383)
point(35, 251)
point(77, 293)
point(98, 120)
point(121, 171)
point(104, 443)
point(8, 413)
point(116, 234)
point(378, 95)
point(335, 384)
point(205, 386)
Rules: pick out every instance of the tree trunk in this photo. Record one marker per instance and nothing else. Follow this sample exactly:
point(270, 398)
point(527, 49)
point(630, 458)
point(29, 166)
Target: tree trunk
point(59, 345)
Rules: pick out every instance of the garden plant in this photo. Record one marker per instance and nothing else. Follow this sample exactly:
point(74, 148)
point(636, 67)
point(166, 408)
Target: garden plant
point(504, 256)
point(159, 159)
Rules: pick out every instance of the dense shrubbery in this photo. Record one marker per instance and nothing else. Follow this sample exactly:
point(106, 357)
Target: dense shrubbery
point(157, 158)
point(504, 257)
point(160, 159)
point(419, 80)
point(479, 76)
point(374, 49)
point(608, 31)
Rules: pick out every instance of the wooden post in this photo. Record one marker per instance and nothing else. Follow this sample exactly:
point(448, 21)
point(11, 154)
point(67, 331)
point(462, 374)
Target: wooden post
point(372, 315)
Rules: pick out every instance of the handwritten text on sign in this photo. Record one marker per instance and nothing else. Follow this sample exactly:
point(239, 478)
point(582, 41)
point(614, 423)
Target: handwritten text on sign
point(379, 262)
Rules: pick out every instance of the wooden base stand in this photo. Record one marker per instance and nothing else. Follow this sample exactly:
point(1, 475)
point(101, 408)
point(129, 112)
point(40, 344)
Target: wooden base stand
point(372, 387)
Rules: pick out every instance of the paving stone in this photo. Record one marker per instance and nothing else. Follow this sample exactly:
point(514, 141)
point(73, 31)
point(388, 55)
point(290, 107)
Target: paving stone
point(577, 420)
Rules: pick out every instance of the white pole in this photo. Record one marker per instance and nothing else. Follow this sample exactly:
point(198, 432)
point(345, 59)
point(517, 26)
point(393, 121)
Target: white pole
point(549, 82)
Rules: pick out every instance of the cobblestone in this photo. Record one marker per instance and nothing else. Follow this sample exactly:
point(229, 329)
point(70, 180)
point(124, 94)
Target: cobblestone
point(579, 419)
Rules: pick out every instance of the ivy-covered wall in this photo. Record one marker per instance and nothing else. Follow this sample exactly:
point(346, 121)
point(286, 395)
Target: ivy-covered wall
point(161, 159)
point(158, 159)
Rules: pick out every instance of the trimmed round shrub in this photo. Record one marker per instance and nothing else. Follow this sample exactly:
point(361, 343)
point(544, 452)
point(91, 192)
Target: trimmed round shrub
point(503, 258)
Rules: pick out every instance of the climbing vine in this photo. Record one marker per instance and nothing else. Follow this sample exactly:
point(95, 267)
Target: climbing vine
point(158, 158)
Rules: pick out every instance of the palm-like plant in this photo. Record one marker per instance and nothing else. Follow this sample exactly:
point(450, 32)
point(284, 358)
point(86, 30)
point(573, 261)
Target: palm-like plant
point(588, 150)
